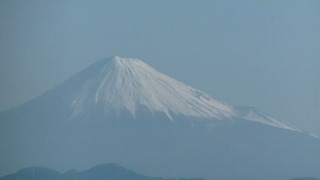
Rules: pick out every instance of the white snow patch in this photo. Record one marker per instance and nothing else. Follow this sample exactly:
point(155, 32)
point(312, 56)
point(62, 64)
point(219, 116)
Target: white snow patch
point(260, 117)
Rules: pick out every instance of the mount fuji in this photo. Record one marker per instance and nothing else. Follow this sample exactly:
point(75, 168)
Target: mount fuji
point(123, 111)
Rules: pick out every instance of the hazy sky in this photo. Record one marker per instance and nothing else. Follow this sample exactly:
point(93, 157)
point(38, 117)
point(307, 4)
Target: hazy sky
point(251, 53)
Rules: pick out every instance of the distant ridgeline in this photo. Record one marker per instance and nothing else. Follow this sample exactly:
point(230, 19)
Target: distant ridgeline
point(106, 171)
point(101, 172)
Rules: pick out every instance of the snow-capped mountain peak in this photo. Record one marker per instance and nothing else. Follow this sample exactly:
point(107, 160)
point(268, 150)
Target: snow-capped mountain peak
point(120, 84)
point(122, 110)
point(129, 84)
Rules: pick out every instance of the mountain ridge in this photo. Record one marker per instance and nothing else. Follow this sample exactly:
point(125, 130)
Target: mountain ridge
point(103, 171)
point(120, 85)
point(244, 144)
point(125, 83)
point(100, 89)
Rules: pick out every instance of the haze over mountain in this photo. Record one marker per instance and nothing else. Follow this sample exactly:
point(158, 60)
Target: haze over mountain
point(124, 111)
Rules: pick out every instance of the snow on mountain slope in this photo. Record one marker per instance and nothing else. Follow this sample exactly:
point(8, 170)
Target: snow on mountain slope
point(123, 111)
point(253, 114)
point(129, 84)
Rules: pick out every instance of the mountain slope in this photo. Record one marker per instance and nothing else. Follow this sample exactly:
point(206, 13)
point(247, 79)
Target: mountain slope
point(129, 84)
point(121, 110)
point(128, 87)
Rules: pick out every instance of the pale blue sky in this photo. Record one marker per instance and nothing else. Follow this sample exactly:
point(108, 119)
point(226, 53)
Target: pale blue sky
point(252, 53)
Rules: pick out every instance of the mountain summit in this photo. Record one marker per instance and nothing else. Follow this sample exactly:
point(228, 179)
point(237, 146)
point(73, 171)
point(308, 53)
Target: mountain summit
point(120, 110)
point(118, 85)
point(129, 84)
